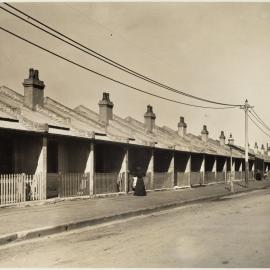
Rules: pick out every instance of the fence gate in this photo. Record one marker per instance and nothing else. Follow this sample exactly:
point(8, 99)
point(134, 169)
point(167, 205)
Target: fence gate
point(210, 177)
point(106, 183)
point(16, 188)
point(52, 185)
point(183, 179)
point(196, 178)
point(73, 184)
point(162, 180)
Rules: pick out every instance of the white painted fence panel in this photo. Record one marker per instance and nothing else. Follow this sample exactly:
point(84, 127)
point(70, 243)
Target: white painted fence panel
point(16, 188)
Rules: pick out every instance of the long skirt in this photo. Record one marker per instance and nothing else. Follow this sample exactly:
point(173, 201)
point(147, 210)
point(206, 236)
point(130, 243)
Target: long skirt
point(140, 188)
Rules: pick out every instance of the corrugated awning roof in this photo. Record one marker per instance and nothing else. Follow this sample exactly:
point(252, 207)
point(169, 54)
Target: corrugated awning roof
point(83, 122)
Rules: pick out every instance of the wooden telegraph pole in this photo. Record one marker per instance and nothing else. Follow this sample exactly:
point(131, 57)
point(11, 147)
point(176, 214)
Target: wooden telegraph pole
point(246, 108)
point(231, 175)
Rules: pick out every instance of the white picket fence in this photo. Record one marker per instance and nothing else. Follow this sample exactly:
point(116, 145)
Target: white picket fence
point(16, 188)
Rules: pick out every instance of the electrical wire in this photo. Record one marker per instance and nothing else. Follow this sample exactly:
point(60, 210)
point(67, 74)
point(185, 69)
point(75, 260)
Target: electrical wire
point(107, 77)
point(258, 126)
point(259, 119)
point(103, 58)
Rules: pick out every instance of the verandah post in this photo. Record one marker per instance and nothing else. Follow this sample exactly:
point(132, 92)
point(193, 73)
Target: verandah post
point(233, 169)
point(253, 170)
point(44, 172)
point(151, 168)
point(202, 169)
point(90, 168)
point(126, 172)
point(215, 168)
point(42, 167)
point(188, 169)
point(241, 170)
point(225, 170)
point(123, 173)
point(172, 169)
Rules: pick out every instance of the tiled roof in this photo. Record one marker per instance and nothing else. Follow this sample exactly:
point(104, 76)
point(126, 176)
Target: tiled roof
point(55, 118)
point(251, 153)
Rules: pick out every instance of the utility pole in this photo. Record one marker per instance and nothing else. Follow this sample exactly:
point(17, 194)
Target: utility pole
point(246, 107)
point(231, 175)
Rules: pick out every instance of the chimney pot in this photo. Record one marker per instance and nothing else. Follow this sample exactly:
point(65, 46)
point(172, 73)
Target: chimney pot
point(105, 108)
point(149, 112)
point(31, 73)
point(222, 138)
point(33, 90)
point(149, 119)
point(182, 127)
point(231, 139)
point(205, 133)
point(36, 75)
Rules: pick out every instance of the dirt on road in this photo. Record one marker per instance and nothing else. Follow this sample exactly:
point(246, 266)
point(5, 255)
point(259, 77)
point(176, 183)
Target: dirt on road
point(230, 232)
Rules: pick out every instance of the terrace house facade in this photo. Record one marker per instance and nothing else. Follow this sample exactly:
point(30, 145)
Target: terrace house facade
point(49, 150)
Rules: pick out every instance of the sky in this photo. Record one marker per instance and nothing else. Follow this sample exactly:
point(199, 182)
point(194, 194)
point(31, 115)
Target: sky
point(218, 51)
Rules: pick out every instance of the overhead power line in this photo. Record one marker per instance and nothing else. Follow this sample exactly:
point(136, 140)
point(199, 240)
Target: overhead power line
point(105, 76)
point(254, 122)
point(104, 58)
point(259, 119)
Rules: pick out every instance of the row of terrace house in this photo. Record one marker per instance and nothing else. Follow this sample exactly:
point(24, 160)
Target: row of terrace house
point(49, 150)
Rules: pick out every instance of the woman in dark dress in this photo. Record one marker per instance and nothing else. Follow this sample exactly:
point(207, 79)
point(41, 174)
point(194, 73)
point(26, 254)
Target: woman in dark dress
point(140, 187)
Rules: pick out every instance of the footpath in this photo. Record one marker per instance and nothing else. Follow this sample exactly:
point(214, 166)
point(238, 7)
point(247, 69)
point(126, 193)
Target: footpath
point(35, 221)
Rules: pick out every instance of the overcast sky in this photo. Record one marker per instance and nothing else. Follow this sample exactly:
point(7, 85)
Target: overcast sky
point(219, 51)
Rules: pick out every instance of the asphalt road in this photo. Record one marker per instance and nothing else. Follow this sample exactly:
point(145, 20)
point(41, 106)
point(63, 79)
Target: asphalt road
point(231, 232)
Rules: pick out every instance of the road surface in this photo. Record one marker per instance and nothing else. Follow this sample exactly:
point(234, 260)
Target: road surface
point(230, 232)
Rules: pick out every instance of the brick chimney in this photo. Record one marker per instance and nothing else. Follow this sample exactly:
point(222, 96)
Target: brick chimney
point(105, 108)
point(149, 119)
point(205, 133)
point(231, 140)
point(33, 90)
point(222, 138)
point(182, 127)
point(256, 148)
